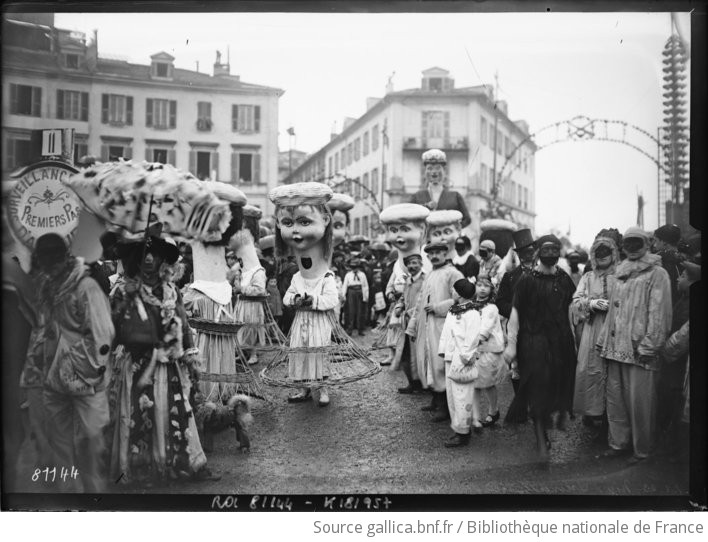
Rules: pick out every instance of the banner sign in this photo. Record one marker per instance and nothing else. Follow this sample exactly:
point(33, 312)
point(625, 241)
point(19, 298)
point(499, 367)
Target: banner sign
point(40, 203)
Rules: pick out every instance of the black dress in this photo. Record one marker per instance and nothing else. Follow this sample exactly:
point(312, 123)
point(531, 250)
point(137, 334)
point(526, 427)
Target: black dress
point(545, 346)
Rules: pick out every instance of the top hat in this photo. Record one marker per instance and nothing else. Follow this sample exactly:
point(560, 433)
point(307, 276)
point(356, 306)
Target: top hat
point(522, 238)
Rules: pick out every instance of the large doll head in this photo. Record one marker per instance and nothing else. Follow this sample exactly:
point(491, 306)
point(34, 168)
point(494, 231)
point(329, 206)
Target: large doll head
point(303, 222)
point(445, 227)
point(405, 227)
point(339, 206)
point(434, 162)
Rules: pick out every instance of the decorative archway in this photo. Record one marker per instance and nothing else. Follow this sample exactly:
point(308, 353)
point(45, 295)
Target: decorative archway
point(579, 128)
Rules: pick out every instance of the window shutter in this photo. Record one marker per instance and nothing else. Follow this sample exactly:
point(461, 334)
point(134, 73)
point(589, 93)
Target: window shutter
point(60, 104)
point(172, 157)
point(257, 118)
point(193, 162)
point(10, 156)
point(148, 154)
point(14, 106)
point(234, 167)
point(129, 110)
point(208, 110)
point(256, 165)
point(84, 106)
point(214, 164)
point(148, 112)
point(36, 101)
point(128, 153)
point(104, 153)
point(234, 118)
point(424, 128)
point(446, 129)
point(173, 113)
point(104, 108)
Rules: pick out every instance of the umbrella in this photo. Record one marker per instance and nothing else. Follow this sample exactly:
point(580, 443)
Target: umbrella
point(127, 196)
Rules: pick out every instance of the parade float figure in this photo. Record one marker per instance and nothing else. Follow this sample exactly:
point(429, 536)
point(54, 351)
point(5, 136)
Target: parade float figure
point(445, 227)
point(208, 304)
point(405, 230)
point(155, 437)
point(436, 298)
point(590, 305)
point(339, 206)
point(436, 195)
point(496, 239)
point(318, 353)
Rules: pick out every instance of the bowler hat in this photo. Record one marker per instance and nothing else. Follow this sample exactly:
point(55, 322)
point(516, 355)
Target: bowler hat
point(522, 238)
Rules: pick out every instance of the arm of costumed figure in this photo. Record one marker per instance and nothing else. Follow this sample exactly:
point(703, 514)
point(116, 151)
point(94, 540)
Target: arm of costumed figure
point(100, 324)
point(445, 336)
point(512, 334)
point(257, 286)
point(677, 345)
point(462, 207)
point(290, 295)
point(364, 287)
point(658, 314)
point(326, 299)
point(469, 345)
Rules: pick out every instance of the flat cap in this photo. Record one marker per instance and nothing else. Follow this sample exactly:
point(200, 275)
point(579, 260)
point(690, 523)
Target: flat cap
point(404, 212)
point(309, 193)
point(434, 156)
point(444, 217)
point(340, 202)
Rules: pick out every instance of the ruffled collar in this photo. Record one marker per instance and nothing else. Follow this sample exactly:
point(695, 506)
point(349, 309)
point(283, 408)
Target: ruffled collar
point(462, 260)
point(630, 268)
point(460, 308)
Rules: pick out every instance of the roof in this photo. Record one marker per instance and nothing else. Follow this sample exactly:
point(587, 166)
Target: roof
point(46, 62)
point(162, 55)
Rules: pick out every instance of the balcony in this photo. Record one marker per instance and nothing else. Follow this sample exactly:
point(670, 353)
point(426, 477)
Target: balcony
point(445, 144)
point(204, 124)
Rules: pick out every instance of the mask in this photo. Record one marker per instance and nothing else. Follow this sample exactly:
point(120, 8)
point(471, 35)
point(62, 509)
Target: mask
point(483, 253)
point(549, 261)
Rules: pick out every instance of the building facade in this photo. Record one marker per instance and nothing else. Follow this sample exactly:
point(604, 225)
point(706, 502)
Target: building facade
point(214, 125)
point(380, 152)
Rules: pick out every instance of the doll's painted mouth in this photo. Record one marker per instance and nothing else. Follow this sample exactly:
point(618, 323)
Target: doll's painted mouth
point(306, 262)
point(401, 243)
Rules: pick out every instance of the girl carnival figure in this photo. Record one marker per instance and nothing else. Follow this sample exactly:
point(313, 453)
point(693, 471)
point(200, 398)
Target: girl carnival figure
point(405, 230)
point(318, 352)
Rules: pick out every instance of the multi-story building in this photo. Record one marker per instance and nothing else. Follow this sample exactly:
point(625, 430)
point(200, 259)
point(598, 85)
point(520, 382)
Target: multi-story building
point(381, 151)
point(214, 125)
point(289, 161)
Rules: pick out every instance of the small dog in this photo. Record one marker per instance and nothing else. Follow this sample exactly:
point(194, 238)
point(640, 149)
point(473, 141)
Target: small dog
point(212, 418)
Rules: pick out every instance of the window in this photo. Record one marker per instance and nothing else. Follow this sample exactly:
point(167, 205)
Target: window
point(434, 124)
point(357, 226)
point(484, 177)
point(435, 84)
point(161, 114)
point(246, 118)
point(18, 151)
point(114, 148)
point(492, 141)
point(507, 147)
point(365, 150)
point(383, 176)
point(357, 149)
point(520, 196)
point(525, 162)
point(343, 161)
point(365, 225)
point(526, 198)
point(483, 131)
point(357, 188)
point(329, 167)
point(336, 162)
point(500, 142)
point(162, 152)
point(245, 167)
point(71, 61)
point(204, 162)
point(25, 100)
point(72, 105)
point(375, 137)
point(350, 153)
point(116, 109)
point(365, 182)
point(80, 147)
point(204, 116)
point(375, 181)
point(162, 69)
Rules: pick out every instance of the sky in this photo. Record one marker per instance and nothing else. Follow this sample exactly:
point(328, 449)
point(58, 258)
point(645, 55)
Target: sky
point(551, 67)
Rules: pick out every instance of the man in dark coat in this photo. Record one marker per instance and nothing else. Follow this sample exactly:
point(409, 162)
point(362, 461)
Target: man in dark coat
point(665, 244)
point(524, 246)
point(436, 196)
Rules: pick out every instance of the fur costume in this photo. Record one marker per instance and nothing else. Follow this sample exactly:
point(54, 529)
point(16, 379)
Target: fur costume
point(213, 418)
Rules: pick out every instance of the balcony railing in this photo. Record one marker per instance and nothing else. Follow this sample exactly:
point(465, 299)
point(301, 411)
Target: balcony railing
point(443, 143)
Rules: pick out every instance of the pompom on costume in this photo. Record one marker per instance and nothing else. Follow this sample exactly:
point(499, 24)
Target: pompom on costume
point(318, 353)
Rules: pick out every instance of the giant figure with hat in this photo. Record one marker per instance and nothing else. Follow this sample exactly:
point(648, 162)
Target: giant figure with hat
point(436, 195)
point(405, 230)
point(316, 340)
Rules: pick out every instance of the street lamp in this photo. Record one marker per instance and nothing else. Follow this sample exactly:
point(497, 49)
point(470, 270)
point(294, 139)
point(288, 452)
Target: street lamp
point(291, 133)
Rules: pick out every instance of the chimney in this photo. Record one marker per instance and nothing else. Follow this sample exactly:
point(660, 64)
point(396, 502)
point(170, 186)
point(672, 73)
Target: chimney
point(219, 68)
point(371, 102)
point(333, 131)
point(92, 53)
point(523, 125)
point(503, 107)
point(348, 121)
